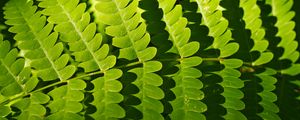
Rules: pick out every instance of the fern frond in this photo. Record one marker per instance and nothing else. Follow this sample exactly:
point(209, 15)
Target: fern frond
point(74, 27)
point(186, 105)
point(212, 17)
point(87, 47)
point(106, 96)
point(254, 23)
point(14, 78)
point(268, 97)
point(232, 84)
point(129, 33)
point(15, 81)
point(38, 45)
point(126, 26)
point(11, 79)
point(100, 25)
point(66, 101)
point(32, 108)
point(281, 9)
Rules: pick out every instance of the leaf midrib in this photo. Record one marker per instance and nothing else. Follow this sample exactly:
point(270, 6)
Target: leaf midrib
point(41, 45)
point(123, 23)
point(80, 34)
point(11, 73)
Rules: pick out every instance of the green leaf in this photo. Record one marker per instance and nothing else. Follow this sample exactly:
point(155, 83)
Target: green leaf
point(13, 76)
point(191, 72)
point(147, 54)
point(64, 116)
point(106, 96)
point(42, 47)
point(233, 93)
point(293, 70)
point(192, 83)
point(189, 49)
point(85, 44)
point(263, 59)
point(39, 98)
point(153, 79)
point(153, 92)
point(113, 74)
point(152, 66)
point(232, 82)
point(234, 103)
point(191, 61)
point(77, 84)
point(234, 115)
point(229, 50)
point(232, 63)
point(5, 110)
point(229, 72)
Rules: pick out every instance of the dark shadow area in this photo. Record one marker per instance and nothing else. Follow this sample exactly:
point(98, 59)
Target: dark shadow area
point(89, 108)
point(4, 28)
point(296, 8)
point(156, 27)
point(89, 98)
point(168, 83)
point(251, 97)
point(199, 32)
point(128, 91)
point(213, 98)
point(240, 34)
point(287, 94)
point(2, 4)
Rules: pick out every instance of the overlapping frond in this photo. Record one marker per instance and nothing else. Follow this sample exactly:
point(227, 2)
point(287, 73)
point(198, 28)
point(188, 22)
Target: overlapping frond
point(106, 96)
point(187, 104)
point(126, 26)
point(232, 84)
point(89, 50)
point(268, 97)
point(212, 17)
point(66, 101)
point(100, 25)
point(142, 59)
point(254, 24)
point(14, 78)
point(281, 9)
point(32, 108)
point(74, 27)
point(37, 42)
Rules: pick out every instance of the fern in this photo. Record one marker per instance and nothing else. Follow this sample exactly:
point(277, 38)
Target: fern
point(43, 52)
point(149, 59)
point(129, 34)
point(187, 104)
point(88, 49)
point(218, 28)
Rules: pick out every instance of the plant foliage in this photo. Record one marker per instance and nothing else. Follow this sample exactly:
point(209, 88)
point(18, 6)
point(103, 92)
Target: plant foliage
point(149, 59)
